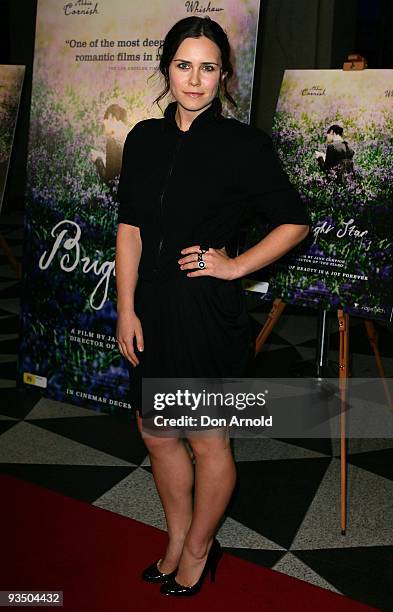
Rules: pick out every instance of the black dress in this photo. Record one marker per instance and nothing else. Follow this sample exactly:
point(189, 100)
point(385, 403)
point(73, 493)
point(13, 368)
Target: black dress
point(195, 188)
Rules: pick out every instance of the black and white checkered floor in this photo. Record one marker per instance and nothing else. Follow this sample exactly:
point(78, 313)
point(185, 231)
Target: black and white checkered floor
point(285, 511)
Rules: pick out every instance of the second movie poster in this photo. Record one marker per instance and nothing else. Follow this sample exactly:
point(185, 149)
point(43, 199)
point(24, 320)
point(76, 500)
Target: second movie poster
point(333, 133)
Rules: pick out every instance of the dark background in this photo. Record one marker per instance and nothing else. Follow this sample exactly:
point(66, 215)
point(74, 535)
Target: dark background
point(292, 34)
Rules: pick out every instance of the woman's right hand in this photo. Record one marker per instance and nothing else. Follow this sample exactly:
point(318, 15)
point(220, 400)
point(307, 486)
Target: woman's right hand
point(129, 328)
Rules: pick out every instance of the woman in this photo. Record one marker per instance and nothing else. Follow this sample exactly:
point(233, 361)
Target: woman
point(187, 182)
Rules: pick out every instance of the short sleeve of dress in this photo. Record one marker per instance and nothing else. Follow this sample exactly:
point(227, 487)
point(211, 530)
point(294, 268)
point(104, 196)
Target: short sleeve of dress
point(126, 212)
point(269, 190)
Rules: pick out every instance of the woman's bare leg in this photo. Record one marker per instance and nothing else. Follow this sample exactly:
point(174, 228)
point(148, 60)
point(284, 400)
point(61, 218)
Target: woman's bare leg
point(215, 478)
point(173, 474)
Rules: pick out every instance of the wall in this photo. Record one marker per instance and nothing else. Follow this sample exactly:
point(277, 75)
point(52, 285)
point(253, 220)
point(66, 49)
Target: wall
point(298, 34)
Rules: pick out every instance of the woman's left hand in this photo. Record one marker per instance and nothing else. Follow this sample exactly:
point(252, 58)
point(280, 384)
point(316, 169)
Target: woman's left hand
point(217, 263)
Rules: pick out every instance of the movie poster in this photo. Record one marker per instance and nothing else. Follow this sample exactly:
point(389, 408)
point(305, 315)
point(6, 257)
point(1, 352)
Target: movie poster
point(11, 82)
point(333, 133)
point(94, 78)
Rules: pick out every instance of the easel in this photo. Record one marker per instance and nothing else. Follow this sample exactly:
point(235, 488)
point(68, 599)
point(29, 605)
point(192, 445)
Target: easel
point(354, 62)
point(343, 328)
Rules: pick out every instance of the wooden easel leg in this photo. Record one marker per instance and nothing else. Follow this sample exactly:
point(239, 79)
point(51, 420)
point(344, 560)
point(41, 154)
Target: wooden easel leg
point(8, 253)
point(373, 339)
point(272, 318)
point(343, 325)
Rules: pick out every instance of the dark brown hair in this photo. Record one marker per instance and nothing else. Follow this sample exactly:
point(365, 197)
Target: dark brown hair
point(117, 112)
point(336, 129)
point(195, 27)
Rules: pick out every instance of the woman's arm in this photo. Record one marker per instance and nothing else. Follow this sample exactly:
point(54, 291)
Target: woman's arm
point(278, 242)
point(128, 253)
point(267, 190)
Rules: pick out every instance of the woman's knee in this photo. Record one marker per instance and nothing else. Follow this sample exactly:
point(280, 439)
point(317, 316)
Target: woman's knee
point(205, 447)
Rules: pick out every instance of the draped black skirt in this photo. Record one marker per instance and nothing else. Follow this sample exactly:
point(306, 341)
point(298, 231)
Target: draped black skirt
point(193, 328)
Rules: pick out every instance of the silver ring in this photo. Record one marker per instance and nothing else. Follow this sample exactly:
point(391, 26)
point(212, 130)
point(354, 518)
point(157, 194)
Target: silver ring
point(201, 262)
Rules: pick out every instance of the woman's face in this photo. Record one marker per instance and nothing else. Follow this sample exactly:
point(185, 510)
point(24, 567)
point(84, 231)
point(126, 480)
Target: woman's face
point(195, 73)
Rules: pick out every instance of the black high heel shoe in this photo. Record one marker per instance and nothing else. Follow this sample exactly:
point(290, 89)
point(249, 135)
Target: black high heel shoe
point(179, 590)
point(153, 574)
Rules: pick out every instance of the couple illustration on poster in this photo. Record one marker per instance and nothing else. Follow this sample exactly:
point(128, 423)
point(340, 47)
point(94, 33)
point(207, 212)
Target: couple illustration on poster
point(337, 161)
point(108, 162)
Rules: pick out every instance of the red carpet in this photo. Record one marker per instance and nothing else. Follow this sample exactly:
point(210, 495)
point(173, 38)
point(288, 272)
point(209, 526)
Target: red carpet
point(50, 541)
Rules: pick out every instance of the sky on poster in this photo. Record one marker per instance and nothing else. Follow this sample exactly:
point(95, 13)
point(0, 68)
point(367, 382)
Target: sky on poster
point(359, 97)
